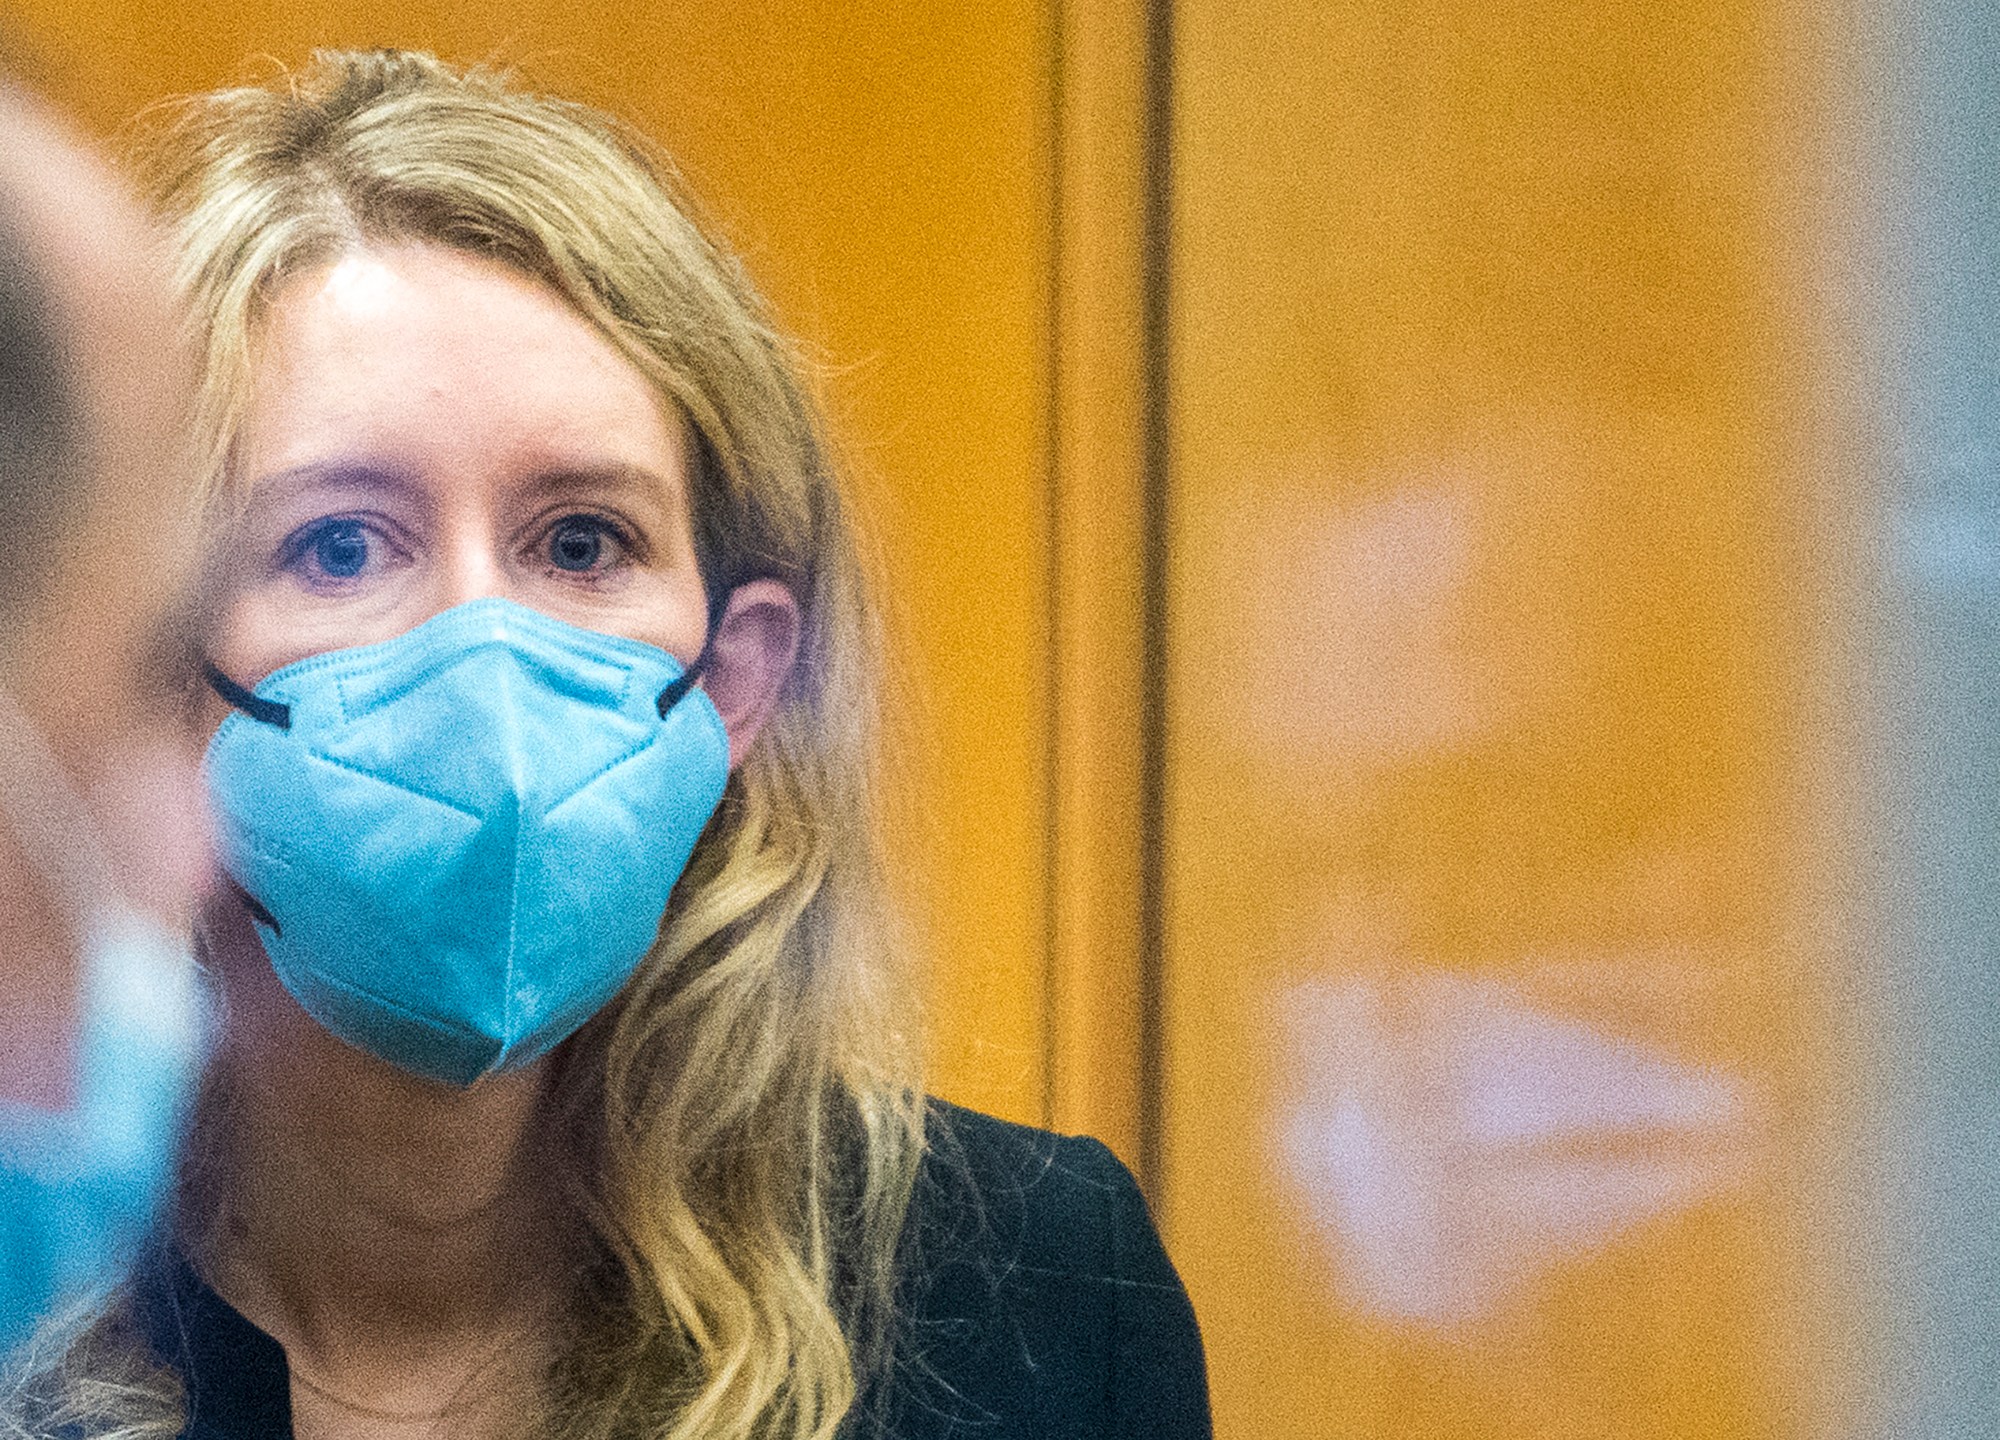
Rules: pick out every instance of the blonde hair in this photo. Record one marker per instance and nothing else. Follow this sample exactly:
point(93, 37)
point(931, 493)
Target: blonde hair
point(742, 1126)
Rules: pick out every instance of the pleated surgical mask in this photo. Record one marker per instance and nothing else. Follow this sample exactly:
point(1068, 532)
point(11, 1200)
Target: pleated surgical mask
point(457, 845)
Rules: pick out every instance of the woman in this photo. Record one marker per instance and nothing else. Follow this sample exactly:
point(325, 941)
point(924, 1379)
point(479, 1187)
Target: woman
point(529, 569)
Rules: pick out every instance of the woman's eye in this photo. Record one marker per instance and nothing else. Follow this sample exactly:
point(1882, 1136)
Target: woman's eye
point(331, 550)
point(341, 550)
point(581, 544)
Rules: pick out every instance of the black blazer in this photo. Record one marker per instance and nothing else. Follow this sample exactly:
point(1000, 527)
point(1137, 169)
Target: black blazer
point(1035, 1303)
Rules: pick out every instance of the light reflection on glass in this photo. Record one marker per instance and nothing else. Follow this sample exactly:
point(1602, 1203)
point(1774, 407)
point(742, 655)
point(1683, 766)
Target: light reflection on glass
point(1452, 1141)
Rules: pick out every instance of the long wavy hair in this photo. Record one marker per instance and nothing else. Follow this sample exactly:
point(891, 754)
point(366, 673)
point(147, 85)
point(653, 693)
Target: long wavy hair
point(741, 1128)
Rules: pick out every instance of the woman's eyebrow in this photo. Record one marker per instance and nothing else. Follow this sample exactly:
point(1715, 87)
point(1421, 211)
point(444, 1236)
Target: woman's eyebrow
point(573, 479)
point(327, 475)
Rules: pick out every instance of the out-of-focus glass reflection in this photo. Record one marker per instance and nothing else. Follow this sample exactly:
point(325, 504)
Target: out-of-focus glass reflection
point(1453, 1141)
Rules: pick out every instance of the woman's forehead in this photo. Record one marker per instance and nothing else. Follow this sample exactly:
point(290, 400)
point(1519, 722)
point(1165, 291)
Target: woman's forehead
point(427, 349)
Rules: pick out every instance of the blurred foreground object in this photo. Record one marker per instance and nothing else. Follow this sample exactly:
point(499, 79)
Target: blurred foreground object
point(100, 836)
point(1932, 828)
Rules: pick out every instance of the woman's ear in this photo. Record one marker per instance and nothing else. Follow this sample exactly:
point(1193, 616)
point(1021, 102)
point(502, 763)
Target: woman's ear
point(750, 658)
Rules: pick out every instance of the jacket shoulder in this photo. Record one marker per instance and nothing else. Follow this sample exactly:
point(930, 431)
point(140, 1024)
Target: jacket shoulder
point(1034, 1295)
point(1031, 1196)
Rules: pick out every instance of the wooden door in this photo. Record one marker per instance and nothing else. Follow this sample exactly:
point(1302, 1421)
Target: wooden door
point(1504, 971)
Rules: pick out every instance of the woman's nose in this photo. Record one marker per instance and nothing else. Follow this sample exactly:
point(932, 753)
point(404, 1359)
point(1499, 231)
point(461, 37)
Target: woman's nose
point(470, 567)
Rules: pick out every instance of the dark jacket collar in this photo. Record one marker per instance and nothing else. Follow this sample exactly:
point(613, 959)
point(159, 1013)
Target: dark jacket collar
point(238, 1383)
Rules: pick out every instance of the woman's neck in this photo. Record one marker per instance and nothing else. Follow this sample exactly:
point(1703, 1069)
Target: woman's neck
point(390, 1233)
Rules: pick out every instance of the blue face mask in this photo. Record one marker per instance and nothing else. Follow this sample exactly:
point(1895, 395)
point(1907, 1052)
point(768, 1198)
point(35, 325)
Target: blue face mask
point(79, 1187)
point(457, 845)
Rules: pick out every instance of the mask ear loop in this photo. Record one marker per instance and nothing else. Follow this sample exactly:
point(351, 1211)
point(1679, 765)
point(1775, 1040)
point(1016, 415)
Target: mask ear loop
point(677, 690)
point(271, 712)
